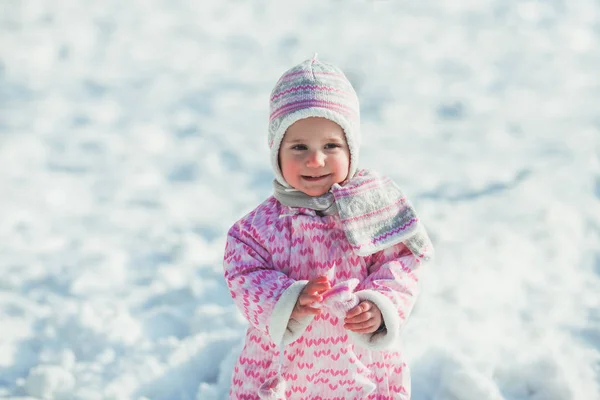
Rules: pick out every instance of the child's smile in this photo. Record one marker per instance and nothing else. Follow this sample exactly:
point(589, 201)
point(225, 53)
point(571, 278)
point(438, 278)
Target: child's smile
point(315, 178)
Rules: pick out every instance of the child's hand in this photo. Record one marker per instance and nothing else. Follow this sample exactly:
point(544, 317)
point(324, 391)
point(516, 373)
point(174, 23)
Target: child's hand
point(364, 318)
point(309, 295)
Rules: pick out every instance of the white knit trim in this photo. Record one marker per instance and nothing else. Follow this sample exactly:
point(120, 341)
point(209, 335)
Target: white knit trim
point(351, 137)
point(384, 340)
point(281, 326)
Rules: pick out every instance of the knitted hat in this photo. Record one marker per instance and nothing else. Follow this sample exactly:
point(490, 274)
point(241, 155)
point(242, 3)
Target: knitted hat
point(313, 89)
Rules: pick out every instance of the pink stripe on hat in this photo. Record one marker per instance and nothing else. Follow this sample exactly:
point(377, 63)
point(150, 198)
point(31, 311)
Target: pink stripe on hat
point(289, 108)
point(308, 87)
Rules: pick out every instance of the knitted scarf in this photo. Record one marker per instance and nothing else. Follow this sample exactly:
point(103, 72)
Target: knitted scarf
point(373, 211)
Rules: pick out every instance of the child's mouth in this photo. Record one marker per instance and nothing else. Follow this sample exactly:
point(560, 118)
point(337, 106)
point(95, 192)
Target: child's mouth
point(314, 178)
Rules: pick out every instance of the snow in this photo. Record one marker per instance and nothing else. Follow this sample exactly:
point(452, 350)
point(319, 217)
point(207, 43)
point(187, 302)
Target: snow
point(133, 134)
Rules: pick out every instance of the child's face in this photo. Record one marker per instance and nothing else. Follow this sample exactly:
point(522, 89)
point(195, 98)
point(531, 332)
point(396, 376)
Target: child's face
point(314, 155)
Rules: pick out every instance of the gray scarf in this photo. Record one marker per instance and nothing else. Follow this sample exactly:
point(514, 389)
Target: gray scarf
point(324, 204)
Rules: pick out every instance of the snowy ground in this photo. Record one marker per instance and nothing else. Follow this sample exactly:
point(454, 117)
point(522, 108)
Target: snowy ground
point(133, 134)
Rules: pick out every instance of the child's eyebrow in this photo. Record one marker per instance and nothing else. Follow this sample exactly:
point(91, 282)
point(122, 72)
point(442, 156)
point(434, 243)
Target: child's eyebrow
point(327, 139)
point(293, 140)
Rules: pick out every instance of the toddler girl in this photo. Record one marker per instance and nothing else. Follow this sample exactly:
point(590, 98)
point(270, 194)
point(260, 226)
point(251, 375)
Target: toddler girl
point(325, 270)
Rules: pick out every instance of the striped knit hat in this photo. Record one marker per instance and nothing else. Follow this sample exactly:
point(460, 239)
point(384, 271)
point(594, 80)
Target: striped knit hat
point(313, 89)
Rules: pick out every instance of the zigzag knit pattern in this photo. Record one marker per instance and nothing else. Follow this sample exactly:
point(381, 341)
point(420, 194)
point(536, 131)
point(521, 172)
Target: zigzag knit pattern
point(312, 84)
point(270, 249)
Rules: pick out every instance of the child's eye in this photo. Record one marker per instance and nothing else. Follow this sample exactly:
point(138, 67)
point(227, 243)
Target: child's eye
point(332, 145)
point(299, 147)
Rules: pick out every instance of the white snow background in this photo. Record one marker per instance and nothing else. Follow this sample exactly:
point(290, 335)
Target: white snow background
point(133, 134)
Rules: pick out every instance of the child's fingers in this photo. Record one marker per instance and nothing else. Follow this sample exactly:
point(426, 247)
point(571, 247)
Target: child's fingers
point(306, 299)
point(303, 311)
point(317, 287)
point(312, 310)
point(366, 330)
point(362, 317)
point(320, 289)
point(359, 309)
point(321, 278)
point(361, 327)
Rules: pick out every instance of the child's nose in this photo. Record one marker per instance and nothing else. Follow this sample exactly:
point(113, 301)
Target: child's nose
point(316, 159)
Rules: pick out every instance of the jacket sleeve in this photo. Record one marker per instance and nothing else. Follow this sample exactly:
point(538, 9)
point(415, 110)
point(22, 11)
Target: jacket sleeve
point(265, 296)
point(393, 285)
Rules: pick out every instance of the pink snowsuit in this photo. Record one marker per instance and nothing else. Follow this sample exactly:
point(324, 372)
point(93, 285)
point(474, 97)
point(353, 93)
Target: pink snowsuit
point(270, 255)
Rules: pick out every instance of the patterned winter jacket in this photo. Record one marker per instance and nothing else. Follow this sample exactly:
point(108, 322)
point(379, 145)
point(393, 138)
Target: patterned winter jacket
point(270, 255)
